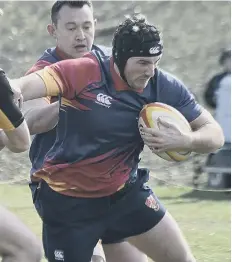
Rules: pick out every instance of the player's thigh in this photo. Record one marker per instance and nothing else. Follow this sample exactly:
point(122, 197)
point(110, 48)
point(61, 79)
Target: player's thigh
point(71, 226)
point(15, 236)
point(164, 242)
point(68, 244)
point(123, 252)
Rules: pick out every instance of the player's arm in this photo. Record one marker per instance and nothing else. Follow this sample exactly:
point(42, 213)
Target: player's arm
point(63, 78)
point(14, 132)
point(40, 115)
point(207, 135)
point(16, 140)
point(37, 85)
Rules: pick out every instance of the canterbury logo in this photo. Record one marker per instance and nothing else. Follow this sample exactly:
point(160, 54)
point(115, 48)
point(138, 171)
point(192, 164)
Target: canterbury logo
point(103, 100)
point(154, 50)
point(59, 255)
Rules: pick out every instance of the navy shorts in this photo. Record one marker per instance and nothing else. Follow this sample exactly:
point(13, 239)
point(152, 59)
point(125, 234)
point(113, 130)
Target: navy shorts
point(73, 226)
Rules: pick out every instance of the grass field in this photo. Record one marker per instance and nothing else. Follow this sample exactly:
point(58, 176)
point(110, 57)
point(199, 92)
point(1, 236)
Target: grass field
point(203, 216)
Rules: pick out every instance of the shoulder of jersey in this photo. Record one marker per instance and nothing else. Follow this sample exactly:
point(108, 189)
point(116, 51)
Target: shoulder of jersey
point(45, 60)
point(167, 77)
point(86, 69)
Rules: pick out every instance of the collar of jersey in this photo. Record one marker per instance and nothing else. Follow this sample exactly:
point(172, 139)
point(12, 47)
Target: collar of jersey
point(119, 84)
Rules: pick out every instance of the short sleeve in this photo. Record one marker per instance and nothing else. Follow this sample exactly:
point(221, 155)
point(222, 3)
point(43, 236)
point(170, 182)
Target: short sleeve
point(174, 93)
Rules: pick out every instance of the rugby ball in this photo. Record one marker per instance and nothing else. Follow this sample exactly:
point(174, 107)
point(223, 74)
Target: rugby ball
point(148, 117)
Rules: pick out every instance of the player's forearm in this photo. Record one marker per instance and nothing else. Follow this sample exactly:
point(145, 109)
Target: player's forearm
point(41, 119)
point(32, 86)
point(207, 139)
point(17, 140)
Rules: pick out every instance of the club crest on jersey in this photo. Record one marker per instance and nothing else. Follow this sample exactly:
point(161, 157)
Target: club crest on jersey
point(152, 203)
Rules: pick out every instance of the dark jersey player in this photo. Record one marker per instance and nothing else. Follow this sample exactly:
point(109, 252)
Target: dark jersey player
point(73, 27)
point(93, 190)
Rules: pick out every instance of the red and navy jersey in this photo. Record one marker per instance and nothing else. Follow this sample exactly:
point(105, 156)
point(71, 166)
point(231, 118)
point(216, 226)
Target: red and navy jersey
point(98, 144)
point(43, 142)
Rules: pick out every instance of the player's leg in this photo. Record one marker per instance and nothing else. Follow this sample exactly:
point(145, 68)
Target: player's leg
point(142, 218)
point(71, 226)
point(164, 242)
point(98, 253)
point(17, 242)
point(124, 252)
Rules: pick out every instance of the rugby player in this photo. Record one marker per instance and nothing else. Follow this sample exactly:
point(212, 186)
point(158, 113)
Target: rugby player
point(73, 28)
point(91, 185)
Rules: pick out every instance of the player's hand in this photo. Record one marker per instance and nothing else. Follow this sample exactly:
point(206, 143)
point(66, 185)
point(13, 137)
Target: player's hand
point(168, 137)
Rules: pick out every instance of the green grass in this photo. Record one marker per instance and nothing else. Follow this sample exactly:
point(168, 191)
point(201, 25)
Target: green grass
point(203, 217)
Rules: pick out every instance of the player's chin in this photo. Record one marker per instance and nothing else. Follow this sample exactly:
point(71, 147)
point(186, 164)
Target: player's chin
point(140, 84)
point(80, 53)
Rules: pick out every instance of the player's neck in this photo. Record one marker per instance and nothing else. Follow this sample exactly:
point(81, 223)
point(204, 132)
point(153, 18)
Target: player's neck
point(62, 54)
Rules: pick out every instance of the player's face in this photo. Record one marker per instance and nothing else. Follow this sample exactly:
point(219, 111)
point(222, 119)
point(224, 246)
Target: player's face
point(75, 30)
point(139, 70)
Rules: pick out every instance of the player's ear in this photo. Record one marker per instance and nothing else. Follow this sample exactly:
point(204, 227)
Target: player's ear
point(95, 21)
point(51, 30)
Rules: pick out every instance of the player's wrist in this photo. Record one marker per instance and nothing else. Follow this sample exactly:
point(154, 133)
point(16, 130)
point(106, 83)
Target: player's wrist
point(189, 141)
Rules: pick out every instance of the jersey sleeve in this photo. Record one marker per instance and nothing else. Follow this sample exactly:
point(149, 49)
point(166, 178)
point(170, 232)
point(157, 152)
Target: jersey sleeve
point(175, 93)
point(10, 115)
point(68, 77)
point(36, 67)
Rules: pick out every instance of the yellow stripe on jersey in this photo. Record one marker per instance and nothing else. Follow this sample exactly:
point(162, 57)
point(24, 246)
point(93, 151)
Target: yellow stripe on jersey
point(5, 123)
point(52, 81)
point(67, 102)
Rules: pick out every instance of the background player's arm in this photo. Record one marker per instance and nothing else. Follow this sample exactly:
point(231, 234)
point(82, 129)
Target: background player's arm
point(17, 140)
point(40, 115)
